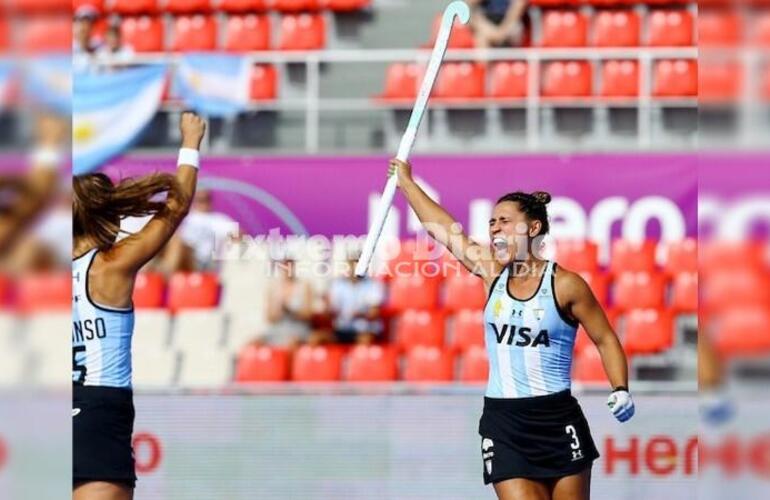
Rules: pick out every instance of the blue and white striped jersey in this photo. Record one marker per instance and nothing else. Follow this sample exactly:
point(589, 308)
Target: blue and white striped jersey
point(529, 342)
point(101, 336)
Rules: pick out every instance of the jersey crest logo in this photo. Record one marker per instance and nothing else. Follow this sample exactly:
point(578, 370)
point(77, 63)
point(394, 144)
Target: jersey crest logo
point(539, 314)
point(497, 308)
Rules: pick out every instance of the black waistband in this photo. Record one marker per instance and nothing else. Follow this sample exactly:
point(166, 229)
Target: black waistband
point(564, 396)
point(101, 392)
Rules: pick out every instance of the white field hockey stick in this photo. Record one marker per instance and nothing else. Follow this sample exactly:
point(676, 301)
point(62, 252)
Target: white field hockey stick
point(455, 9)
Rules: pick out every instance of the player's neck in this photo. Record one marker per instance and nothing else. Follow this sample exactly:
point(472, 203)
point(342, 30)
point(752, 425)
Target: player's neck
point(529, 267)
point(81, 246)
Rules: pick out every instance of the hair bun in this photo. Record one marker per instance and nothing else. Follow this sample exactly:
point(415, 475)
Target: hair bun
point(542, 197)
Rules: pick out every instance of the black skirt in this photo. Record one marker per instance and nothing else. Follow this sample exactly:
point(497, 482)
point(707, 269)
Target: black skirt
point(102, 426)
point(541, 437)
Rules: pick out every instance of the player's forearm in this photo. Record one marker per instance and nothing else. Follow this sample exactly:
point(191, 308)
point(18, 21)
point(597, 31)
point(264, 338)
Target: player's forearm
point(614, 361)
point(514, 14)
point(434, 218)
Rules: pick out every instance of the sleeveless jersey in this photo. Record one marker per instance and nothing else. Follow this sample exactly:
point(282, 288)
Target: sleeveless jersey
point(529, 342)
point(101, 335)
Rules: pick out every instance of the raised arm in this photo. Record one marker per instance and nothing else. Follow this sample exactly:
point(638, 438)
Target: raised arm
point(443, 227)
point(131, 253)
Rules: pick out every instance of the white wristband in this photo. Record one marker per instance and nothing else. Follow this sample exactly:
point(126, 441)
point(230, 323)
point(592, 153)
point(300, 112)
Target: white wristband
point(189, 156)
point(46, 157)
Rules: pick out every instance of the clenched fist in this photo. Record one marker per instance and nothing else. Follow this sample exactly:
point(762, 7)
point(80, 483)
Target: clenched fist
point(193, 127)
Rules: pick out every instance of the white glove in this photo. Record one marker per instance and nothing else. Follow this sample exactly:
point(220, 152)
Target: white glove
point(621, 405)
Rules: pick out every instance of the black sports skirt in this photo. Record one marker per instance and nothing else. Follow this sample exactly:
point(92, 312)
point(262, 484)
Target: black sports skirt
point(102, 425)
point(541, 437)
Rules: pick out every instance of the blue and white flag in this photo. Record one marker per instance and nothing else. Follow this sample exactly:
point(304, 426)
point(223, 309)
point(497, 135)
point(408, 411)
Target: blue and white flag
point(47, 81)
point(111, 110)
point(214, 84)
point(7, 77)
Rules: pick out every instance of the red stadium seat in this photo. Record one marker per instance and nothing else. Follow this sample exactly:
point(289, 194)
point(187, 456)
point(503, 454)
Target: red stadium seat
point(719, 27)
point(5, 290)
point(5, 34)
point(617, 28)
point(429, 364)
point(460, 38)
point(508, 80)
point(303, 32)
point(187, 6)
point(317, 364)
point(420, 328)
point(564, 28)
point(684, 292)
point(467, 330)
point(143, 34)
point(727, 288)
point(47, 34)
point(264, 83)
point(76, 4)
point(639, 290)
point(149, 290)
point(464, 291)
point(247, 32)
point(413, 292)
point(44, 291)
point(412, 256)
point(242, 6)
point(620, 79)
point(134, 7)
point(47, 6)
point(631, 256)
point(296, 5)
point(731, 255)
point(582, 340)
point(347, 5)
point(262, 364)
point(577, 255)
point(193, 291)
point(567, 79)
point(671, 27)
point(765, 83)
point(588, 366)
point(402, 81)
point(463, 80)
point(762, 28)
point(743, 332)
point(648, 331)
point(719, 81)
point(681, 256)
point(474, 365)
point(195, 33)
point(599, 283)
point(372, 363)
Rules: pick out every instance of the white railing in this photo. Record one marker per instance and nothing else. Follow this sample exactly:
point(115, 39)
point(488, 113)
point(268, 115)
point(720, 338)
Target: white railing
point(313, 103)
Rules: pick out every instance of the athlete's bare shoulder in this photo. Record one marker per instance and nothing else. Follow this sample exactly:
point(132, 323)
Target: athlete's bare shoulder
point(569, 285)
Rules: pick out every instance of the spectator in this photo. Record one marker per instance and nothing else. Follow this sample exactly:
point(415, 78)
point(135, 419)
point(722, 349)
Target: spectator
point(355, 307)
point(204, 231)
point(113, 47)
point(83, 46)
point(497, 23)
point(290, 309)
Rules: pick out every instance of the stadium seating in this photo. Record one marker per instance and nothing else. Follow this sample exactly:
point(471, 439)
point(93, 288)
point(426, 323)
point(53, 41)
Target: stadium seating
point(420, 328)
point(44, 292)
point(630, 256)
point(600, 285)
point(639, 290)
point(262, 364)
point(143, 33)
point(194, 33)
point(684, 292)
point(617, 28)
point(719, 80)
point(670, 27)
point(248, 32)
point(727, 288)
point(467, 330)
point(429, 364)
point(567, 79)
point(460, 38)
point(588, 367)
point(620, 79)
point(218, 369)
point(413, 292)
point(675, 78)
point(198, 331)
point(264, 83)
point(648, 331)
point(474, 366)
point(46, 34)
point(151, 331)
point(303, 32)
point(719, 27)
point(46, 6)
point(564, 28)
point(578, 255)
point(133, 7)
point(187, 6)
point(401, 81)
point(347, 5)
point(193, 290)
point(743, 332)
point(731, 255)
point(372, 363)
point(582, 340)
point(296, 5)
point(149, 290)
point(508, 80)
point(241, 6)
point(681, 256)
point(761, 34)
point(317, 364)
point(462, 81)
point(155, 369)
point(464, 291)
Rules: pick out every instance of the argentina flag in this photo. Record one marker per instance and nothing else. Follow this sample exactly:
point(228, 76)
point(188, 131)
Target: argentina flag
point(47, 81)
point(111, 110)
point(214, 85)
point(7, 76)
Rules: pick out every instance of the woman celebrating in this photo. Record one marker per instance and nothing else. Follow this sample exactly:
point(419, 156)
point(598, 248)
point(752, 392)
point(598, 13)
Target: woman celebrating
point(103, 274)
point(536, 443)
